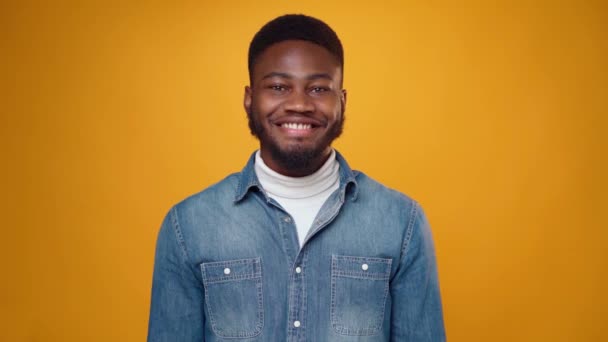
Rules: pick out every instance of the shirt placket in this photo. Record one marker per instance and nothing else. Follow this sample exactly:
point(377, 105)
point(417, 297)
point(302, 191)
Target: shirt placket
point(296, 329)
point(296, 320)
point(297, 290)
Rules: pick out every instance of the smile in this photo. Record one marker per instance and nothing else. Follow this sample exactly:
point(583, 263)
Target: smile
point(299, 126)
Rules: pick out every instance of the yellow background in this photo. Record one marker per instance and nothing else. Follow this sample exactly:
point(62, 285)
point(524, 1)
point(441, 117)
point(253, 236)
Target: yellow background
point(491, 114)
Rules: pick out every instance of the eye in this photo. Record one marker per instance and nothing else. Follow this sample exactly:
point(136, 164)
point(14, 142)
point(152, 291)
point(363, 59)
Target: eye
point(319, 89)
point(277, 87)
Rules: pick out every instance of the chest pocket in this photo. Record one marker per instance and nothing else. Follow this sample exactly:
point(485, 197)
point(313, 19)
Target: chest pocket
point(359, 287)
point(234, 297)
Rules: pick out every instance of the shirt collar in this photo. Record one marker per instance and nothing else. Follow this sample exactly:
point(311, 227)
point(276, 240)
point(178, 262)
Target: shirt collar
point(249, 181)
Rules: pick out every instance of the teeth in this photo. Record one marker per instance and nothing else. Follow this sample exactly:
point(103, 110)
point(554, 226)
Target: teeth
point(292, 125)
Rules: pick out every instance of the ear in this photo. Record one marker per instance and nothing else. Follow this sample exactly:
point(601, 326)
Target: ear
point(247, 100)
point(343, 100)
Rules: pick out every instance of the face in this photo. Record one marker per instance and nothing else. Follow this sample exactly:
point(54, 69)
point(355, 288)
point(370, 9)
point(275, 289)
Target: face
point(295, 106)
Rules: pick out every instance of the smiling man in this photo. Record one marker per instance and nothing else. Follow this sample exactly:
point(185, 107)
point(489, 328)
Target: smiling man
point(295, 105)
point(296, 246)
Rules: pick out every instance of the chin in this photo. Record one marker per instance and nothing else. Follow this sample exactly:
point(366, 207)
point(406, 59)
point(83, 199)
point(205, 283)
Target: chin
point(296, 157)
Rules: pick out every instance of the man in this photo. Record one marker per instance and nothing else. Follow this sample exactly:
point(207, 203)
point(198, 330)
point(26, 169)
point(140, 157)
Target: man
point(297, 246)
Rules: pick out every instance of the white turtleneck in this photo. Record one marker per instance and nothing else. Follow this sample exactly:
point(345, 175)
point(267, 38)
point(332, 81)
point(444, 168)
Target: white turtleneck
point(301, 197)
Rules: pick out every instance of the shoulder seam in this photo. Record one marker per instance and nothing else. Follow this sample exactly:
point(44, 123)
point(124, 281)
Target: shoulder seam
point(409, 230)
point(178, 233)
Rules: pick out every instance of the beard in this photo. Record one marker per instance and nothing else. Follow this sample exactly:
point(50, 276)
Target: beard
point(297, 156)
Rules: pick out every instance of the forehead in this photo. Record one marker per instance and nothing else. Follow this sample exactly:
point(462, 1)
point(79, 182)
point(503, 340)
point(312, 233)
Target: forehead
point(296, 57)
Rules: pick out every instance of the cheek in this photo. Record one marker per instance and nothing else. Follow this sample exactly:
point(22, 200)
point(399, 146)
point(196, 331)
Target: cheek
point(331, 107)
point(265, 105)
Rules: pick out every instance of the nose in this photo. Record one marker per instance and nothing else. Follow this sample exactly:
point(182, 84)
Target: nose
point(299, 102)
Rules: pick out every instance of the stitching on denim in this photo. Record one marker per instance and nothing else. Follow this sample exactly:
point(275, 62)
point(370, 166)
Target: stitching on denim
point(333, 294)
point(208, 305)
point(233, 262)
point(362, 275)
point(180, 241)
point(350, 176)
point(242, 189)
point(302, 328)
point(409, 230)
point(368, 259)
point(324, 220)
point(358, 273)
point(259, 324)
point(335, 273)
point(249, 274)
point(178, 233)
point(284, 235)
point(232, 278)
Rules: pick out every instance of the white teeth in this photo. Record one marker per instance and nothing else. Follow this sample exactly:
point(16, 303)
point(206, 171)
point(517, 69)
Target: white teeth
point(292, 125)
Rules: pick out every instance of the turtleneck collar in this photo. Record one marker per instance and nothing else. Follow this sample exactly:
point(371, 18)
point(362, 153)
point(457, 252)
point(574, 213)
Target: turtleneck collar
point(276, 184)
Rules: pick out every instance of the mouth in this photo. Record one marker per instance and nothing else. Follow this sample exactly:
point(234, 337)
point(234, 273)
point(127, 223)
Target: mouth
point(296, 122)
point(295, 129)
point(296, 126)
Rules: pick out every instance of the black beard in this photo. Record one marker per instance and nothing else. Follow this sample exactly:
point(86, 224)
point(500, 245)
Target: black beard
point(296, 158)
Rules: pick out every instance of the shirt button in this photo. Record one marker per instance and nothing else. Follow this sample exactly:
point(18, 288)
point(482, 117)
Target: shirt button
point(226, 271)
point(287, 219)
point(296, 324)
point(364, 267)
point(298, 270)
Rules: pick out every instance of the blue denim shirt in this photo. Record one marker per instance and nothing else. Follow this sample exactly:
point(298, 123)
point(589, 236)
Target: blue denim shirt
point(229, 267)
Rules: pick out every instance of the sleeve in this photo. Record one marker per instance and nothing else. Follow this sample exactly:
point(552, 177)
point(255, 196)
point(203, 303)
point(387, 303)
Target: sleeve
point(416, 302)
point(177, 304)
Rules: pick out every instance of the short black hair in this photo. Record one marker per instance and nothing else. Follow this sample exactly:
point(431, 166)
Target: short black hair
point(294, 27)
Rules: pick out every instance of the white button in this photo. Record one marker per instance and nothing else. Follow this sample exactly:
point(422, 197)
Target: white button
point(287, 219)
point(298, 270)
point(226, 271)
point(296, 324)
point(364, 267)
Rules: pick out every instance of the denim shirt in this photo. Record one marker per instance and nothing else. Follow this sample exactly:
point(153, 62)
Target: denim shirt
point(229, 267)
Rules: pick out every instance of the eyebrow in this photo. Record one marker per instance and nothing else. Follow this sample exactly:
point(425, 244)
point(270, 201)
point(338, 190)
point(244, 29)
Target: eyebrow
point(288, 76)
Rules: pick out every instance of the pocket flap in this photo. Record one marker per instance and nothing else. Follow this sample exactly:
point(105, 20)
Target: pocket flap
point(222, 271)
point(361, 267)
